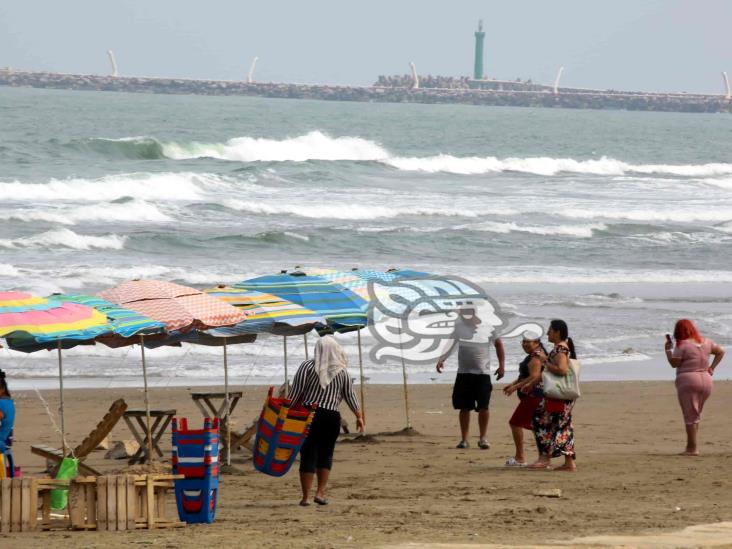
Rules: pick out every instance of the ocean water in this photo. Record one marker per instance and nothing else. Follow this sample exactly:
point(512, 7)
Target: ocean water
point(618, 222)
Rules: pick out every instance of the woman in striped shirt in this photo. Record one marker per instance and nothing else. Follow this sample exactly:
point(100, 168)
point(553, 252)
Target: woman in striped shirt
point(323, 381)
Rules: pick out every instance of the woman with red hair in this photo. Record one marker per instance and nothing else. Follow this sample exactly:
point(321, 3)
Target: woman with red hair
point(694, 374)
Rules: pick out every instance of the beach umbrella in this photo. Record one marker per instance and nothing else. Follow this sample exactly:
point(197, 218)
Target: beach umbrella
point(30, 323)
point(391, 275)
point(357, 281)
point(343, 309)
point(124, 324)
point(180, 308)
point(266, 313)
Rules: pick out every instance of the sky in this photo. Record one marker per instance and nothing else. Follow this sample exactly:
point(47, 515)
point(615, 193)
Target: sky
point(664, 45)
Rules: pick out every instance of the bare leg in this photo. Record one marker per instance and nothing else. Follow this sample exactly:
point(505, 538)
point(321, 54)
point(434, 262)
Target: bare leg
point(464, 423)
point(483, 416)
point(692, 430)
point(518, 440)
point(569, 465)
point(323, 475)
point(306, 483)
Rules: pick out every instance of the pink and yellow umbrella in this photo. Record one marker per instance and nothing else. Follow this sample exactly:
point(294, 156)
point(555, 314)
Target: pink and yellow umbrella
point(30, 323)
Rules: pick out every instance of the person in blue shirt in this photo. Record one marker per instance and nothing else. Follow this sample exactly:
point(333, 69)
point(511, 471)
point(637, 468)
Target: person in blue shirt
point(7, 421)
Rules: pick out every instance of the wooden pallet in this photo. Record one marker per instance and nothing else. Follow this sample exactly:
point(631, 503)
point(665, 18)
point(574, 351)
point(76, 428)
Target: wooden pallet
point(109, 503)
point(121, 502)
point(18, 504)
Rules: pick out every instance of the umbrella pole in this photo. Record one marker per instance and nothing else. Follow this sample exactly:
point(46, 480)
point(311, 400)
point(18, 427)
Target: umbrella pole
point(404, 376)
point(147, 402)
point(363, 381)
point(287, 381)
point(305, 339)
point(226, 393)
point(61, 394)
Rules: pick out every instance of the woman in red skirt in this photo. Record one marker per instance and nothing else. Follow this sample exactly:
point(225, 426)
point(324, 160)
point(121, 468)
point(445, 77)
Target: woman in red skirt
point(527, 387)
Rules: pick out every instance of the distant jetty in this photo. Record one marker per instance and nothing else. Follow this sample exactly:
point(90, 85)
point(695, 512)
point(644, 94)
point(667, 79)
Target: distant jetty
point(386, 90)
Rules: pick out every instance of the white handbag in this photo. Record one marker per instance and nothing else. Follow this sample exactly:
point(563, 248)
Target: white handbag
point(564, 387)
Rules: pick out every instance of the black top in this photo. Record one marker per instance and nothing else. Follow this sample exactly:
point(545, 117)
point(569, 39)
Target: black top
point(524, 367)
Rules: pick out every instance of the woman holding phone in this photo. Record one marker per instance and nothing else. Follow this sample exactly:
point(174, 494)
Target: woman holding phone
point(690, 358)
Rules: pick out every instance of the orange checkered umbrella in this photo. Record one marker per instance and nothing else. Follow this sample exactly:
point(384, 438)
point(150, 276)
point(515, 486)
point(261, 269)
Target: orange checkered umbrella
point(180, 308)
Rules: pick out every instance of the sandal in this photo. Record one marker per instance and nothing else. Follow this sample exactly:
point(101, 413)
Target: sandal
point(462, 444)
point(320, 501)
point(483, 444)
point(512, 462)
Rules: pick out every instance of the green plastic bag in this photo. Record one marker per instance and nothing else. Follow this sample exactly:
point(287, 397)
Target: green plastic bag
point(68, 470)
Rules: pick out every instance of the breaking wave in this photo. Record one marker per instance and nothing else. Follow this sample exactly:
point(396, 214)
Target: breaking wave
point(312, 146)
point(129, 212)
point(66, 238)
point(142, 186)
point(317, 145)
point(340, 211)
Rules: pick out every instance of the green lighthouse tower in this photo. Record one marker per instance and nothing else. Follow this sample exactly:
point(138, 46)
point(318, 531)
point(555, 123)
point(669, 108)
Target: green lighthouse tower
point(479, 40)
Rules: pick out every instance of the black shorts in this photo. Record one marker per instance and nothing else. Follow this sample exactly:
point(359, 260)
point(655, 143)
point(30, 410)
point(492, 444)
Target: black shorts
point(472, 392)
point(317, 450)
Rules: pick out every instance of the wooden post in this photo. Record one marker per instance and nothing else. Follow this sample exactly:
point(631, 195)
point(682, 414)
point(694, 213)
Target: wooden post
point(227, 406)
point(33, 503)
point(287, 381)
point(101, 503)
point(404, 376)
point(150, 455)
point(363, 381)
point(131, 501)
point(5, 503)
point(121, 492)
point(25, 508)
point(15, 501)
point(61, 394)
point(111, 503)
point(150, 496)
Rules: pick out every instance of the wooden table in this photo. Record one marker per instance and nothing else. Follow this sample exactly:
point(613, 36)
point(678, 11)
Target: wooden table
point(210, 407)
point(206, 402)
point(137, 423)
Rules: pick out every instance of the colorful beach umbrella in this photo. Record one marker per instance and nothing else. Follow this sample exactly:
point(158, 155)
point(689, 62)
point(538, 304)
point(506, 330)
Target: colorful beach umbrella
point(267, 313)
point(123, 324)
point(343, 309)
point(180, 308)
point(29, 323)
point(359, 281)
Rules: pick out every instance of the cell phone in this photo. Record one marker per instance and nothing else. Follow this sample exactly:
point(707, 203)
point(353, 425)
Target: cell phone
point(668, 338)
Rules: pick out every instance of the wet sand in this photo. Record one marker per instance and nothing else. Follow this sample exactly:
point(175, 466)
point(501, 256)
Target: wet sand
point(420, 489)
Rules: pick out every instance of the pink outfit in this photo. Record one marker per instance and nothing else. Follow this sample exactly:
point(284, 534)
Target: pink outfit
point(693, 381)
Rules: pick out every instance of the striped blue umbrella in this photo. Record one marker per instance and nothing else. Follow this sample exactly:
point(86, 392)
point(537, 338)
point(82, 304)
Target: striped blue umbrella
point(343, 309)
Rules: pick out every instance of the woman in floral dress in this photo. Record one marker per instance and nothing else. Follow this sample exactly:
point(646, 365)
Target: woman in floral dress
point(553, 418)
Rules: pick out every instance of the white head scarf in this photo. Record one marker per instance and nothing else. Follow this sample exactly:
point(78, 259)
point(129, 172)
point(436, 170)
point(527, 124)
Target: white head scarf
point(330, 359)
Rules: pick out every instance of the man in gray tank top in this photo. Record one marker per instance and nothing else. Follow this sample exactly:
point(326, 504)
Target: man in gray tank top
point(472, 389)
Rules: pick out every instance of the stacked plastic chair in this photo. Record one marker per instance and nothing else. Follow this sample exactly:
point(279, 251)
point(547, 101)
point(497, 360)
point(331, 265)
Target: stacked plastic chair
point(281, 430)
point(196, 456)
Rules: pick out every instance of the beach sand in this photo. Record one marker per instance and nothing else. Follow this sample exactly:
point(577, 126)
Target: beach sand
point(420, 489)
